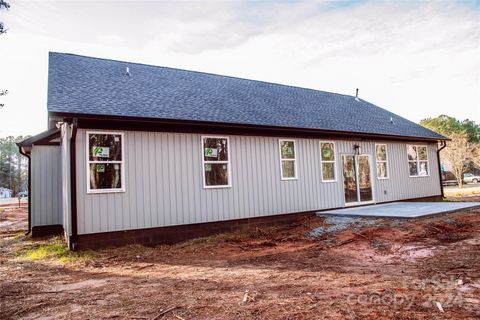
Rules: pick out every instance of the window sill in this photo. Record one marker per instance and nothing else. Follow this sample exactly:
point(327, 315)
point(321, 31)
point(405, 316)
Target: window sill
point(289, 179)
point(329, 181)
point(216, 187)
point(426, 176)
point(102, 191)
point(387, 178)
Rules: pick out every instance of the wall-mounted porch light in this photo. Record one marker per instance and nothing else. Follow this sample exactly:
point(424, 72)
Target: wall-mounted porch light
point(358, 149)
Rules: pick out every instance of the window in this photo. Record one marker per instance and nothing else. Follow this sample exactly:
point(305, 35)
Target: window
point(382, 161)
point(287, 159)
point(216, 166)
point(417, 161)
point(327, 150)
point(105, 167)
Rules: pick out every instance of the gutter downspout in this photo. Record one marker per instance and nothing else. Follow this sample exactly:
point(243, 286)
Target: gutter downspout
point(73, 186)
point(444, 144)
point(29, 179)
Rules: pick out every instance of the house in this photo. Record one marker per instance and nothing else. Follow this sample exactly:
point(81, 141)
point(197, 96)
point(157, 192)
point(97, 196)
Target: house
point(144, 154)
point(5, 193)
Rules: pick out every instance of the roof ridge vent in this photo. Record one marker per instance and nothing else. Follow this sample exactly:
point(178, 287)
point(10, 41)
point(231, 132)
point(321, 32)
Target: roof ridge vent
point(356, 95)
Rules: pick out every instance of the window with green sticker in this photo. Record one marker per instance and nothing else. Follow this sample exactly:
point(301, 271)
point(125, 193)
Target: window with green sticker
point(327, 159)
point(105, 162)
point(216, 166)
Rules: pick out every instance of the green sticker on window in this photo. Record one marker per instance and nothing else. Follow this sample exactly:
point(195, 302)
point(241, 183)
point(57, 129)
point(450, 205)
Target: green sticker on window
point(100, 168)
point(327, 153)
point(211, 152)
point(103, 152)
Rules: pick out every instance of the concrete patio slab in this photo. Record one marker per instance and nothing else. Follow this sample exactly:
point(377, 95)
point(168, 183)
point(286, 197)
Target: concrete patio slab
point(403, 209)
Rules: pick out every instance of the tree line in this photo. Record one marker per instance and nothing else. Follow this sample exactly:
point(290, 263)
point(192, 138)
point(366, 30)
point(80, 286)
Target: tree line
point(13, 166)
point(3, 29)
point(462, 153)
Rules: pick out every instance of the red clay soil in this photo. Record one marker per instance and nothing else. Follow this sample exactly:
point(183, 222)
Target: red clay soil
point(390, 269)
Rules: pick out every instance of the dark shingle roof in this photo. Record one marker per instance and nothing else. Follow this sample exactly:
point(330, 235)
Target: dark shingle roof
point(85, 85)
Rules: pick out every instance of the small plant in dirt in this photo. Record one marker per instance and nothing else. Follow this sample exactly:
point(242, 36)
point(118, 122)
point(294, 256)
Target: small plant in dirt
point(54, 249)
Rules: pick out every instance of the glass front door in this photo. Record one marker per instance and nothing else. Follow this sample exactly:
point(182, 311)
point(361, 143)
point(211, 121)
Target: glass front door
point(364, 179)
point(357, 182)
point(349, 179)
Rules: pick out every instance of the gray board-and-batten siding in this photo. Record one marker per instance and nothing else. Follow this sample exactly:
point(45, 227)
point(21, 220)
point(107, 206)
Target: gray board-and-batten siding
point(46, 185)
point(164, 181)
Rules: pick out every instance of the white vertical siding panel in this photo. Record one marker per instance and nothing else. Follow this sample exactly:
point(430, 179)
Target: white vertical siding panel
point(182, 176)
point(248, 160)
point(268, 170)
point(273, 174)
point(172, 179)
point(112, 212)
point(315, 183)
point(189, 178)
point(193, 182)
point(277, 182)
point(46, 186)
point(243, 181)
point(144, 171)
point(255, 180)
point(234, 165)
point(149, 184)
point(164, 196)
point(158, 192)
point(186, 181)
point(43, 191)
point(307, 190)
point(261, 174)
point(36, 187)
point(139, 178)
point(131, 182)
point(103, 211)
point(84, 220)
point(49, 189)
point(269, 165)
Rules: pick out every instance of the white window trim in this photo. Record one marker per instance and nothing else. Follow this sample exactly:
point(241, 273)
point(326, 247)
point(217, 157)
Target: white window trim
point(329, 161)
point(382, 161)
point(229, 169)
point(418, 161)
point(294, 159)
point(374, 186)
point(88, 162)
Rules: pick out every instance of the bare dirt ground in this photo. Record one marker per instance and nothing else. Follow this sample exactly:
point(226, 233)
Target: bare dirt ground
point(376, 269)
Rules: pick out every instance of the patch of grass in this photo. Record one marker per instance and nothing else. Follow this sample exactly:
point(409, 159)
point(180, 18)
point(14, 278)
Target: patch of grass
point(55, 249)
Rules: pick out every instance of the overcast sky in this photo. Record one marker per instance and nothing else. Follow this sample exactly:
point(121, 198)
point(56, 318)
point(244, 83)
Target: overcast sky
point(417, 59)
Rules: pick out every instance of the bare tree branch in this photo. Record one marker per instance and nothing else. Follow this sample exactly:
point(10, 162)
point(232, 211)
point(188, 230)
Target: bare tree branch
point(3, 5)
point(459, 153)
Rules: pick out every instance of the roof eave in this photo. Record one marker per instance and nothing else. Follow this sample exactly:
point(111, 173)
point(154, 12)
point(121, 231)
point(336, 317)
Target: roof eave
point(43, 138)
point(136, 123)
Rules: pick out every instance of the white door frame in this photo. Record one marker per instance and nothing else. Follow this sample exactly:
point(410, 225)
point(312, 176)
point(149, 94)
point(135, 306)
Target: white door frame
point(358, 202)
